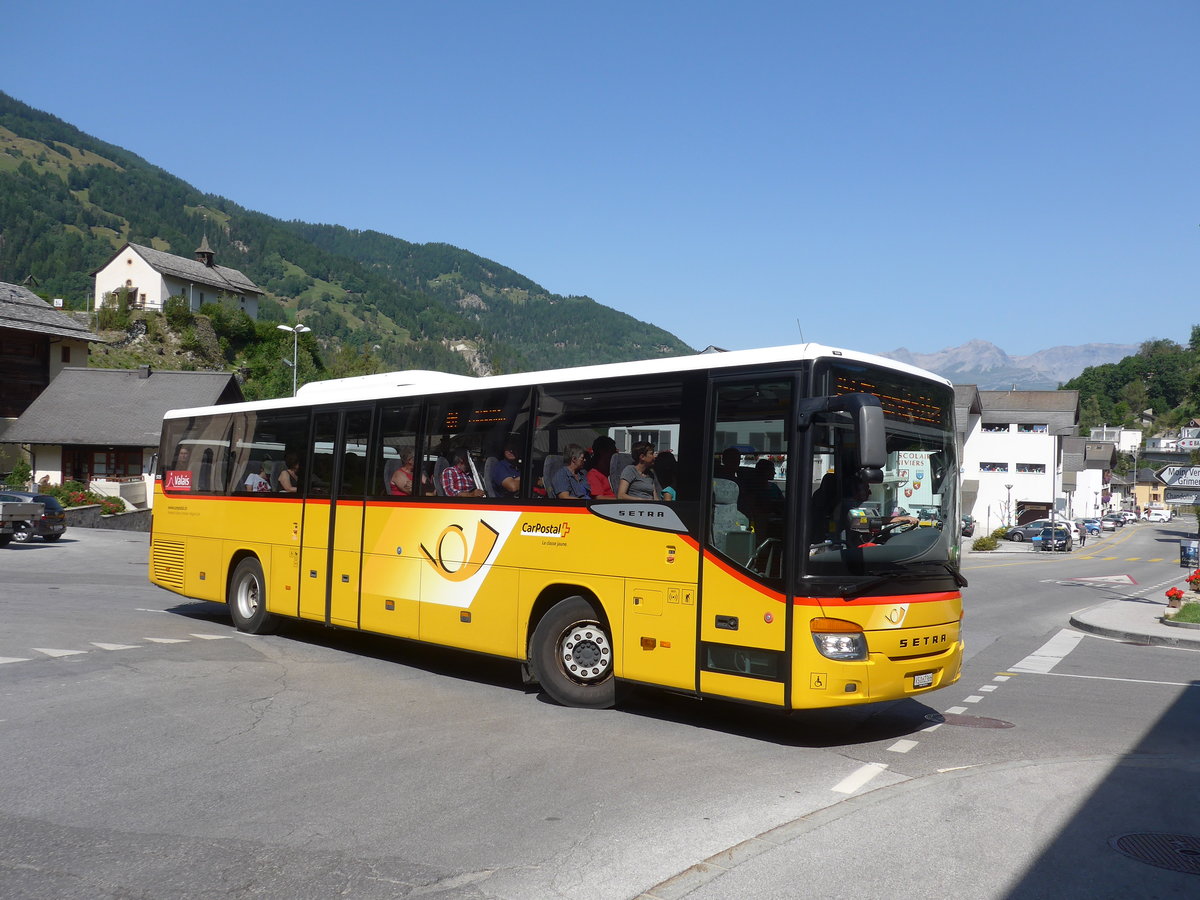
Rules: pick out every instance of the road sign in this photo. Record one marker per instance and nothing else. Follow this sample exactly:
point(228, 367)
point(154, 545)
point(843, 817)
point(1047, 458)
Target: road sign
point(1189, 498)
point(1188, 444)
point(1179, 476)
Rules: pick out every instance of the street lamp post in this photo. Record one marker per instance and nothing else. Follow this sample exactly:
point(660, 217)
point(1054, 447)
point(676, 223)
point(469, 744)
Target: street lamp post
point(1008, 509)
point(294, 362)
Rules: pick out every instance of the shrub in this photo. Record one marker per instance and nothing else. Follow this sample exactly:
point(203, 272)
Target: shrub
point(987, 542)
point(72, 493)
point(1000, 533)
point(178, 313)
point(20, 476)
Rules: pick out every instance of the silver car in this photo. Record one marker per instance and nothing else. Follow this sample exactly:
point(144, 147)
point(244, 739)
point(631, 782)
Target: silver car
point(1029, 531)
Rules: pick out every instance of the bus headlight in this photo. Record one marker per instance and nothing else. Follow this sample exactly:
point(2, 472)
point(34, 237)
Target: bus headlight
point(839, 639)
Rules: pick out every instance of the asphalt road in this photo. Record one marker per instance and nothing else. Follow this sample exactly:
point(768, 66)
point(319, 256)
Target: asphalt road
point(152, 751)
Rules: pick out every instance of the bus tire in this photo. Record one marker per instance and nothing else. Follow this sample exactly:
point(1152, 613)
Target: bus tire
point(571, 655)
point(247, 599)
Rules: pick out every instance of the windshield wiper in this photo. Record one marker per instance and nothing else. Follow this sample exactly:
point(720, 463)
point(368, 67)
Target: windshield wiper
point(847, 590)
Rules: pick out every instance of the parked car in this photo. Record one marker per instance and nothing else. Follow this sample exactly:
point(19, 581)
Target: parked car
point(968, 526)
point(1128, 515)
point(50, 526)
point(1158, 515)
point(1092, 525)
point(1055, 537)
point(1114, 520)
point(1029, 531)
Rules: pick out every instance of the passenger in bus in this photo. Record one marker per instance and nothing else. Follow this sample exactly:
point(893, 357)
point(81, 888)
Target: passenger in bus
point(183, 457)
point(258, 482)
point(401, 482)
point(730, 465)
point(457, 480)
point(636, 482)
point(569, 482)
point(289, 478)
point(506, 474)
point(760, 498)
point(599, 485)
point(664, 473)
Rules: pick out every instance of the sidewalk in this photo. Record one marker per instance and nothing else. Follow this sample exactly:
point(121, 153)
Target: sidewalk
point(1135, 619)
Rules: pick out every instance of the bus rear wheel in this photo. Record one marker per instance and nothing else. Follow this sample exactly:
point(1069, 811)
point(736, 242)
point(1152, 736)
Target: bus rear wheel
point(572, 657)
point(247, 599)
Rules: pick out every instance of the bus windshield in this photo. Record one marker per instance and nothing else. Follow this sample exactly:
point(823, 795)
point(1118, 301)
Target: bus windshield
point(905, 523)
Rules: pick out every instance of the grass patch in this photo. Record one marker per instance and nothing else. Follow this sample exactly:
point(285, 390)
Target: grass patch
point(1189, 612)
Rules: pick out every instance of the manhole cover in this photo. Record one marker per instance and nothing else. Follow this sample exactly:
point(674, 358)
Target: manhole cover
point(968, 721)
point(1177, 852)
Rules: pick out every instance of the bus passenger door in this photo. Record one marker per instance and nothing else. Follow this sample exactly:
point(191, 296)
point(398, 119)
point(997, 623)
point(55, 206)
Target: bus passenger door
point(331, 558)
point(745, 609)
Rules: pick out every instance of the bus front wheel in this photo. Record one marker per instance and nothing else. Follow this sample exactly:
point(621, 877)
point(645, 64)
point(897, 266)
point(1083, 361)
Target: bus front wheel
point(248, 599)
point(572, 657)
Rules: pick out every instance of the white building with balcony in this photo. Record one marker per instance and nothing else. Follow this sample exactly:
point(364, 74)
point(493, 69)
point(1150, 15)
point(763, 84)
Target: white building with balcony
point(1014, 456)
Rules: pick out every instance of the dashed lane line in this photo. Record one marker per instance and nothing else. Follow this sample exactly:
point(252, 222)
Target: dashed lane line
point(859, 778)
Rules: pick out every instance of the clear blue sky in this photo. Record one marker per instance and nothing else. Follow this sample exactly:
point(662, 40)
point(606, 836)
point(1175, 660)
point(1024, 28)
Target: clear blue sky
point(888, 173)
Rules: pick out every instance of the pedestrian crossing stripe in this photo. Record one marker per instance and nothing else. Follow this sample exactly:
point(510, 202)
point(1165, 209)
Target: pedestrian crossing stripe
point(49, 651)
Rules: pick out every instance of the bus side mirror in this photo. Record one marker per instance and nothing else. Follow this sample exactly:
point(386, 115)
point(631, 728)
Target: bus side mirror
point(872, 441)
point(866, 412)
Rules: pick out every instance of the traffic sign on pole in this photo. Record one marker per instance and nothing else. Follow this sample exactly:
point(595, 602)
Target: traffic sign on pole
point(1179, 476)
point(1188, 444)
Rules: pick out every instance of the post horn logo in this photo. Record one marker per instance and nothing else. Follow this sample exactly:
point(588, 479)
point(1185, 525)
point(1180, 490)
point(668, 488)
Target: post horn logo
point(472, 558)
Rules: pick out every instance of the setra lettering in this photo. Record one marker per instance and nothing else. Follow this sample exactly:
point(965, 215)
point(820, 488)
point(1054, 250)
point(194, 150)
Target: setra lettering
point(630, 513)
point(926, 641)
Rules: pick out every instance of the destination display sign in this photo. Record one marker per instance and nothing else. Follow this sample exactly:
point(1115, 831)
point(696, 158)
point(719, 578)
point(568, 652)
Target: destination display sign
point(1179, 476)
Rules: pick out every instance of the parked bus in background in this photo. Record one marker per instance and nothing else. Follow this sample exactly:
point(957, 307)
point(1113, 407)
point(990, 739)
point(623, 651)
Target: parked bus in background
point(777, 576)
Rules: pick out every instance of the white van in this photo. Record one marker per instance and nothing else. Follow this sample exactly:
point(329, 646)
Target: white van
point(1158, 515)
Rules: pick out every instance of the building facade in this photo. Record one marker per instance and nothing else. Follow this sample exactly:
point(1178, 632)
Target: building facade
point(152, 276)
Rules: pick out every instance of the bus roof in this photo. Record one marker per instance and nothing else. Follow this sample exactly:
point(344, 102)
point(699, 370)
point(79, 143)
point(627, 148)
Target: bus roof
point(416, 382)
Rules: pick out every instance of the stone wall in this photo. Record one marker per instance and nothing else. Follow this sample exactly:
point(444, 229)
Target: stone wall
point(90, 517)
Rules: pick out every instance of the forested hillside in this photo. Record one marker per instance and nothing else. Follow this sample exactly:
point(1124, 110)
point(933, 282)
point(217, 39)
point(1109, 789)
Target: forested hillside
point(1162, 377)
point(68, 202)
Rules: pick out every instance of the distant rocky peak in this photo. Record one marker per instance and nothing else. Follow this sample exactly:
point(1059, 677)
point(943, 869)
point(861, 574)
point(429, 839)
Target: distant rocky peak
point(984, 364)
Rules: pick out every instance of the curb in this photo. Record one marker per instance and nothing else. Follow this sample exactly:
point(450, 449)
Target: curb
point(1137, 637)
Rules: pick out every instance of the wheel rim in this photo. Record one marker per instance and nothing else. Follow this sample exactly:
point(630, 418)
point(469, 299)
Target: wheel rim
point(584, 652)
point(21, 533)
point(248, 597)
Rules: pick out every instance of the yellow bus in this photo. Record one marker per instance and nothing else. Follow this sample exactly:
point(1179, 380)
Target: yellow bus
point(774, 560)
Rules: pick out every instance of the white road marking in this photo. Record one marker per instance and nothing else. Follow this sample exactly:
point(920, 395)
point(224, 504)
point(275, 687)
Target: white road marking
point(139, 609)
point(859, 777)
point(103, 646)
point(974, 698)
point(1051, 653)
point(57, 653)
point(934, 727)
point(166, 640)
point(213, 637)
point(1002, 678)
point(956, 710)
point(987, 687)
point(1190, 684)
point(8, 659)
point(902, 746)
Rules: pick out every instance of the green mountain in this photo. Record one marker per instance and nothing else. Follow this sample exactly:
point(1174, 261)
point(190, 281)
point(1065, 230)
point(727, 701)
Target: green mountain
point(68, 202)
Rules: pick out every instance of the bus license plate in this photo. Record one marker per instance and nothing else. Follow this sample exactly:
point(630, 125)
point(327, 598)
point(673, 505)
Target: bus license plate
point(925, 679)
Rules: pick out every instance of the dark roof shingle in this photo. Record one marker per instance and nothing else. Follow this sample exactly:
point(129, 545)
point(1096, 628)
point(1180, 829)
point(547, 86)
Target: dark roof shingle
point(117, 407)
point(23, 310)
